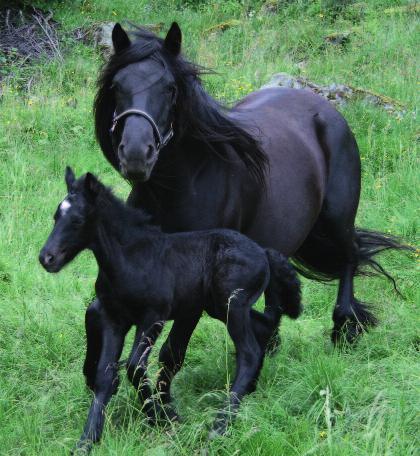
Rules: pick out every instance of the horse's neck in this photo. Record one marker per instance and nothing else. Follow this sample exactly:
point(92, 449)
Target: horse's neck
point(192, 190)
point(177, 173)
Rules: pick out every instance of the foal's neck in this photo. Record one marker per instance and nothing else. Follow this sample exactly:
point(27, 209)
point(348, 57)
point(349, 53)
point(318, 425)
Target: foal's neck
point(115, 227)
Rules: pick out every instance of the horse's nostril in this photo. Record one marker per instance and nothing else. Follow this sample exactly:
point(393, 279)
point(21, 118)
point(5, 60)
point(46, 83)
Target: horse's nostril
point(149, 153)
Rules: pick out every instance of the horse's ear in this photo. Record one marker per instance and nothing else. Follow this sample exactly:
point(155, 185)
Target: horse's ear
point(120, 38)
point(69, 177)
point(173, 39)
point(92, 185)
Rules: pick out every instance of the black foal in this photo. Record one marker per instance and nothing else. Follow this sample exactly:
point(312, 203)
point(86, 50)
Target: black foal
point(147, 277)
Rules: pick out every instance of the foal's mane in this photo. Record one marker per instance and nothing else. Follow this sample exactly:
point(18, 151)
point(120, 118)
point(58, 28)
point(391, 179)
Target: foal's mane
point(198, 117)
point(112, 207)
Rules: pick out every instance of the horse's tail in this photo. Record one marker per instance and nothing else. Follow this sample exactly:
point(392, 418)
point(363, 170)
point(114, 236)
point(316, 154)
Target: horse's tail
point(323, 264)
point(371, 243)
point(285, 284)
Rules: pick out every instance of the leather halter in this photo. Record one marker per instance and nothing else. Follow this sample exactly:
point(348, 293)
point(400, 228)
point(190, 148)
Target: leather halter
point(162, 141)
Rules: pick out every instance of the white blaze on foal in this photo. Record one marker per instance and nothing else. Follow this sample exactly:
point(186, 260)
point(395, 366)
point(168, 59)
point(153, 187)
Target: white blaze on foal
point(64, 207)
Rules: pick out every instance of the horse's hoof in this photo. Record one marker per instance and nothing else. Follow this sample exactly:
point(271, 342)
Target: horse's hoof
point(347, 333)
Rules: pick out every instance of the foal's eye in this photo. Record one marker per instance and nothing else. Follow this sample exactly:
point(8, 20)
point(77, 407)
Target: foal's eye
point(77, 222)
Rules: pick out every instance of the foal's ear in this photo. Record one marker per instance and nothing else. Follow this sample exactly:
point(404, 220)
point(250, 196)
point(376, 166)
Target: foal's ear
point(92, 185)
point(120, 38)
point(173, 39)
point(69, 177)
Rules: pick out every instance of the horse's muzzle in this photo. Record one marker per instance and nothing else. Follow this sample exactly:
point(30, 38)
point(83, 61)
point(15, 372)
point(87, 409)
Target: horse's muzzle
point(135, 171)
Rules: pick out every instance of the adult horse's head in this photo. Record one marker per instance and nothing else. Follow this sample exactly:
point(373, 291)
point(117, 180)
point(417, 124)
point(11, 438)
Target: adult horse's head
point(134, 107)
point(148, 93)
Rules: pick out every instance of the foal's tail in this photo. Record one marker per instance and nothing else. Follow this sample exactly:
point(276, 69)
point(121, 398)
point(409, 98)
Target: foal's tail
point(285, 285)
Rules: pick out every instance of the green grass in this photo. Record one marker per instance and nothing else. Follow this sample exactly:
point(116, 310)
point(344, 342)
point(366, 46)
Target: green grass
point(370, 390)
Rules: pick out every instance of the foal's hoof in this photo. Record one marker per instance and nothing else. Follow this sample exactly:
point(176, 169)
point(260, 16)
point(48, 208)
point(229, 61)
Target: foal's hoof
point(83, 447)
point(158, 414)
point(220, 425)
point(273, 344)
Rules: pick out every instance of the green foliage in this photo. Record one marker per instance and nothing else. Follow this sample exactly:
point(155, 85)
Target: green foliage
point(312, 399)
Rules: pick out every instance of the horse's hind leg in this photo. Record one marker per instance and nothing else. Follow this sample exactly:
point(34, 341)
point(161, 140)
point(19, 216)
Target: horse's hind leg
point(350, 316)
point(331, 248)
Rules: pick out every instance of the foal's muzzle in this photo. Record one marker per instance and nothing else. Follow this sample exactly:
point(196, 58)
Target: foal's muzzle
point(52, 261)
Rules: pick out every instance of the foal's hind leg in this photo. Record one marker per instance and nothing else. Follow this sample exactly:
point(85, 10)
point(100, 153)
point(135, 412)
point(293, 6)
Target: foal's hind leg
point(171, 357)
point(265, 330)
point(249, 359)
point(144, 340)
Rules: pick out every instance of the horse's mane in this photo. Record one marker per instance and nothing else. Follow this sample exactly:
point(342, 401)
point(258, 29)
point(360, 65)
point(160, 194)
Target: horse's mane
point(198, 117)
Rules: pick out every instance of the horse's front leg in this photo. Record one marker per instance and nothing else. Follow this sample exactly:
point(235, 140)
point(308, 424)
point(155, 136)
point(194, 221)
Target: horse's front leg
point(105, 383)
point(94, 334)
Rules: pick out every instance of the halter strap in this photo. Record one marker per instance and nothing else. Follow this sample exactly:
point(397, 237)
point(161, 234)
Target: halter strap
point(162, 141)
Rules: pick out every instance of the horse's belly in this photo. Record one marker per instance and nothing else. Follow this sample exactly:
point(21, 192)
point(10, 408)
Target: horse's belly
point(296, 182)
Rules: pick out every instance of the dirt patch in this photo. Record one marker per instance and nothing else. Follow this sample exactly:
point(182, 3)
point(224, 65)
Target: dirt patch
point(26, 34)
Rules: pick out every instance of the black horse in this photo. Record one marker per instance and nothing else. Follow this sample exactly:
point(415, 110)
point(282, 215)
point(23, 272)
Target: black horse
point(281, 166)
point(147, 277)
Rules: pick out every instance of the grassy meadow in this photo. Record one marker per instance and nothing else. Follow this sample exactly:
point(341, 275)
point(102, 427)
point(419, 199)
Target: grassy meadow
point(312, 399)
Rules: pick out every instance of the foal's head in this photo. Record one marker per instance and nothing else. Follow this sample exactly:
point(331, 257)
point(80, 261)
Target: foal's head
point(74, 222)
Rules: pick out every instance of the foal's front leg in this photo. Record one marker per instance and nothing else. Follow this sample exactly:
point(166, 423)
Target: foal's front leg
point(105, 382)
point(94, 332)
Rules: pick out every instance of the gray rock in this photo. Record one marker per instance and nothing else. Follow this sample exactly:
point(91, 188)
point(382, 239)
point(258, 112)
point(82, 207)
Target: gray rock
point(338, 94)
point(102, 38)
